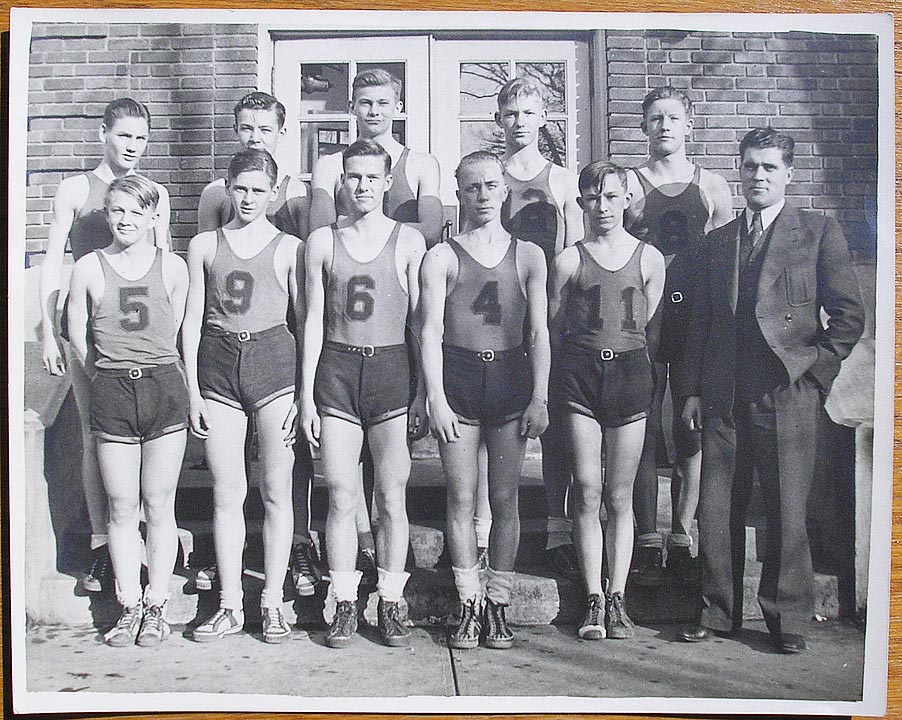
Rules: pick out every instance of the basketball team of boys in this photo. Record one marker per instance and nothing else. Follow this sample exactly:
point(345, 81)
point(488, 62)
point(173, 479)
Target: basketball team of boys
point(540, 319)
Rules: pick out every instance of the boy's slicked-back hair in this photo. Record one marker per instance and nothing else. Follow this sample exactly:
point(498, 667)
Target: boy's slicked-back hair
point(251, 160)
point(122, 108)
point(520, 87)
point(261, 101)
point(138, 186)
point(376, 77)
point(475, 158)
point(593, 175)
point(769, 138)
point(366, 148)
point(667, 92)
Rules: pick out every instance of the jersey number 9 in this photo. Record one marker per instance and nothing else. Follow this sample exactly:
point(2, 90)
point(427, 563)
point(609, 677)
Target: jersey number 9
point(239, 286)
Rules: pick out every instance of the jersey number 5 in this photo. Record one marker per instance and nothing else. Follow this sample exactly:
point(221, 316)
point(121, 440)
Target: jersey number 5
point(360, 304)
point(128, 305)
point(628, 322)
point(239, 287)
point(487, 305)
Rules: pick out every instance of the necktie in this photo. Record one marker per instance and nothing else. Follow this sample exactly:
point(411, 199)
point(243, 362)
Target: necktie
point(752, 238)
point(756, 231)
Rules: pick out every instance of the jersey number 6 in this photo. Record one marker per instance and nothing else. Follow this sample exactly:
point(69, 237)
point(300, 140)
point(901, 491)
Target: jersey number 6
point(360, 304)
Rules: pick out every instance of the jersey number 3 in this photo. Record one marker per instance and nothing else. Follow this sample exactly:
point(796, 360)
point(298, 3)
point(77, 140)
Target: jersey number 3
point(239, 286)
point(487, 305)
point(360, 303)
point(129, 305)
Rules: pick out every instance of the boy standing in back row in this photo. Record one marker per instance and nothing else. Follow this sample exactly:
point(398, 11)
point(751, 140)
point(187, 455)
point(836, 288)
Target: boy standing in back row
point(673, 204)
point(542, 209)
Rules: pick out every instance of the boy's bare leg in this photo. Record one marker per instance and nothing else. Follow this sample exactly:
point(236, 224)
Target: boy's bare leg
point(275, 489)
point(506, 448)
point(161, 464)
point(587, 491)
point(459, 464)
point(225, 456)
point(391, 460)
point(483, 515)
point(623, 447)
point(340, 443)
point(95, 497)
point(689, 470)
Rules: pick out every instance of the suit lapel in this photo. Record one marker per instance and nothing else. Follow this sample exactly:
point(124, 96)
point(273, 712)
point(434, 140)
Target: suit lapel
point(780, 251)
point(731, 258)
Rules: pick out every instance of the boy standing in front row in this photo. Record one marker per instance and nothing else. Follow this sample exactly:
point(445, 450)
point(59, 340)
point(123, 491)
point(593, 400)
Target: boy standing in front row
point(485, 381)
point(125, 308)
point(362, 290)
point(240, 359)
point(605, 289)
point(260, 125)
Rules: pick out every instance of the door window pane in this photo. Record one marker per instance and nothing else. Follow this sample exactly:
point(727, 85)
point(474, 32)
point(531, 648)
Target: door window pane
point(398, 69)
point(481, 135)
point(322, 138)
point(324, 88)
point(479, 86)
point(553, 141)
point(553, 77)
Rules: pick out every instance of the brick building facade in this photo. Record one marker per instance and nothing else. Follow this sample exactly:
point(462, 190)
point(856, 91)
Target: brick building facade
point(822, 88)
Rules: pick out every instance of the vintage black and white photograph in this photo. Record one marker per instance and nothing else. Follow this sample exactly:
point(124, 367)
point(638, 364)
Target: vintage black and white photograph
point(450, 362)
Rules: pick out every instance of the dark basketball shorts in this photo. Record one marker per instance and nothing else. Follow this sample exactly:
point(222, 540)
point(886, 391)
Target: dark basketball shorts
point(487, 387)
point(364, 385)
point(246, 370)
point(613, 388)
point(140, 404)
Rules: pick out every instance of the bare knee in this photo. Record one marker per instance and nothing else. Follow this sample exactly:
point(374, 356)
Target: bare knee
point(123, 510)
point(588, 498)
point(343, 500)
point(619, 500)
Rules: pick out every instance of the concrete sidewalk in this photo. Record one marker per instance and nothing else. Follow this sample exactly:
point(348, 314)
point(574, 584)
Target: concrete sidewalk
point(545, 661)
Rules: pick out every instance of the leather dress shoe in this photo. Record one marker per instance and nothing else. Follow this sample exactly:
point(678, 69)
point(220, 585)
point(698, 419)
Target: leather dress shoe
point(698, 633)
point(790, 643)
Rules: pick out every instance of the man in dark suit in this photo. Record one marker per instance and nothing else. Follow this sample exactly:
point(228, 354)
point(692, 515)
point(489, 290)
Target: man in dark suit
point(760, 360)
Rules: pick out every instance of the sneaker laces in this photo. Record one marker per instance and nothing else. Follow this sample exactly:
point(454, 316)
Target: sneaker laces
point(593, 613)
point(153, 617)
point(616, 609)
point(497, 624)
point(101, 564)
point(273, 617)
point(302, 562)
point(129, 617)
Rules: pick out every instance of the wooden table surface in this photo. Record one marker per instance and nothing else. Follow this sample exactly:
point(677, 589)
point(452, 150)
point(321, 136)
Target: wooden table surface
point(894, 707)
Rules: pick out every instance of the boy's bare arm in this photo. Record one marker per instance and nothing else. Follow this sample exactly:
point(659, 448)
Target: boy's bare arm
point(429, 203)
point(415, 248)
point(316, 255)
point(563, 268)
point(79, 331)
point(326, 175)
point(721, 198)
point(161, 233)
point(535, 417)
point(200, 247)
point(175, 275)
point(653, 269)
point(209, 209)
point(573, 214)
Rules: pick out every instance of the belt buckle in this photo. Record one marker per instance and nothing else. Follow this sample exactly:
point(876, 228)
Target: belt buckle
point(676, 297)
point(487, 356)
point(367, 351)
point(135, 373)
point(244, 336)
point(607, 354)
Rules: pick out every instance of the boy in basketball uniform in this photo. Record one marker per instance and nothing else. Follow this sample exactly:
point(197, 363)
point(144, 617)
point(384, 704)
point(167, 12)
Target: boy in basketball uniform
point(260, 124)
point(486, 381)
point(413, 198)
point(240, 360)
point(79, 220)
point(362, 291)
point(541, 208)
point(605, 289)
point(125, 307)
point(674, 203)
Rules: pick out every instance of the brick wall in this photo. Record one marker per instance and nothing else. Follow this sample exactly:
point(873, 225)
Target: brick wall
point(820, 88)
point(188, 75)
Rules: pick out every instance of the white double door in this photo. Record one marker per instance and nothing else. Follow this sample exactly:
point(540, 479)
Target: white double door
point(449, 95)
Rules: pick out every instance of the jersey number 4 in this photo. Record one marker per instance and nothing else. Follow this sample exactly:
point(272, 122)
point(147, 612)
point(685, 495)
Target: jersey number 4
point(239, 286)
point(129, 305)
point(626, 302)
point(360, 303)
point(487, 305)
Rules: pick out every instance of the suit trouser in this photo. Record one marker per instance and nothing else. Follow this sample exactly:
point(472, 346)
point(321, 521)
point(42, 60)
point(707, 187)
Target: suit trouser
point(775, 436)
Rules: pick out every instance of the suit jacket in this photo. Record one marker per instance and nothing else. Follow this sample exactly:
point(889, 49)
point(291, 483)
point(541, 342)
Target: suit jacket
point(806, 269)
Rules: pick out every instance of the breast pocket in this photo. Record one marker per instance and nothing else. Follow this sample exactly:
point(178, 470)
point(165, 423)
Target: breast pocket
point(799, 286)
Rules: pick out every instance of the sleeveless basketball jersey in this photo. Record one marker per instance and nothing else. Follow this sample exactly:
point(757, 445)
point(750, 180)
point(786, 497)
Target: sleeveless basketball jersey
point(365, 303)
point(400, 201)
point(671, 223)
point(90, 230)
point(531, 213)
point(132, 325)
point(486, 308)
point(606, 308)
point(244, 295)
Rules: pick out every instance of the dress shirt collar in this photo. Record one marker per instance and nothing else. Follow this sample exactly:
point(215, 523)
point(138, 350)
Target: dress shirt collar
point(768, 215)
